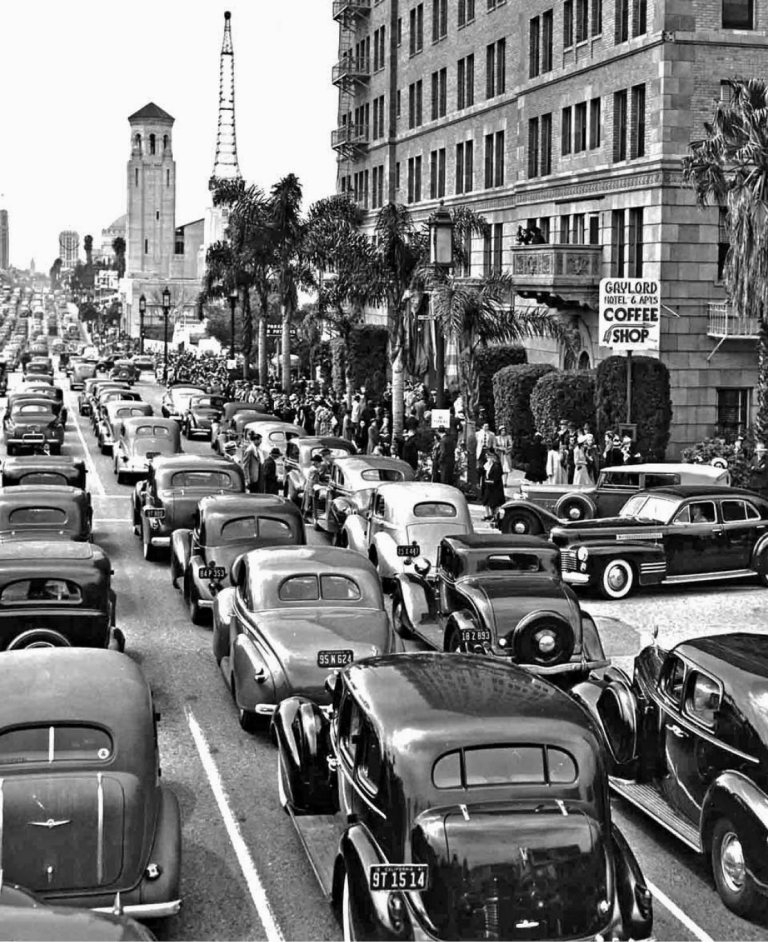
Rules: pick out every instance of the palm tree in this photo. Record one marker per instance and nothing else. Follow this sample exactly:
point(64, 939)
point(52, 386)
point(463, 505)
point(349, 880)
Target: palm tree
point(730, 167)
point(118, 246)
point(55, 272)
point(287, 231)
point(88, 246)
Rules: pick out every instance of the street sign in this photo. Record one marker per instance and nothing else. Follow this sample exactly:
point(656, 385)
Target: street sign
point(629, 314)
point(440, 418)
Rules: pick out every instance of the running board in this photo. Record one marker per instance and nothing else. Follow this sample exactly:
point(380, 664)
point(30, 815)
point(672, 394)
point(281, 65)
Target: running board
point(320, 838)
point(648, 800)
point(711, 576)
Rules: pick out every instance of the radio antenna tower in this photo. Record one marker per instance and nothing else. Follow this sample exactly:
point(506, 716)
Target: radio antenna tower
point(225, 166)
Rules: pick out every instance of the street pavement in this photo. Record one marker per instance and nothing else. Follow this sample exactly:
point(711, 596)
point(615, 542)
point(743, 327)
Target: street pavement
point(245, 874)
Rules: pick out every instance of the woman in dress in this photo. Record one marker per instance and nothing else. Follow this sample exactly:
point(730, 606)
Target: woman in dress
point(580, 466)
point(493, 486)
point(555, 472)
point(504, 449)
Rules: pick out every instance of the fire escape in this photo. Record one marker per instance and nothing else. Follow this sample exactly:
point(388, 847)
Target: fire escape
point(351, 73)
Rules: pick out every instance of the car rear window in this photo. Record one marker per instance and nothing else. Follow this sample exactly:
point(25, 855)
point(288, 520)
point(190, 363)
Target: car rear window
point(504, 765)
point(382, 474)
point(325, 452)
point(152, 431)
point(43, 477)
point(309, 589)
point(264, 528)
point(31, 408)
point(41, 590)
point(203, 479)
point(434, 508)
point(54, 744)
point(37, 515)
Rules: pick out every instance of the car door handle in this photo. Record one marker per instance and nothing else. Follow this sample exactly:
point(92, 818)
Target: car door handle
point(676, 731)
point(717, 529)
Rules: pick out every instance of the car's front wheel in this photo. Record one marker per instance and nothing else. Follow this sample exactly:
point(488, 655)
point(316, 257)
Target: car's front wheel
point(617, 579)
point(522, 522)
point(347, 923)
point(733, 880)
point(38, 638)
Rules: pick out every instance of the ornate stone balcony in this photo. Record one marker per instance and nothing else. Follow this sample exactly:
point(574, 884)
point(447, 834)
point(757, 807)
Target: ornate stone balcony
point(556, 274)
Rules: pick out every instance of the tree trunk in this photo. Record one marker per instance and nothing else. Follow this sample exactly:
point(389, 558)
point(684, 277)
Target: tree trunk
point(245, 307)
point(761, 419)
point(470, 394)
point(263, 342)
point(286, 347)
point(398, 394)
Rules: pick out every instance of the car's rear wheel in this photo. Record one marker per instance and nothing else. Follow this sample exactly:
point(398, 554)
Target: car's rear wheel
point(399, 620)
point(733, 880)
point(248, 720)
point(617, 580)
point(573, 508)
point(38, 638)
point(522, 522)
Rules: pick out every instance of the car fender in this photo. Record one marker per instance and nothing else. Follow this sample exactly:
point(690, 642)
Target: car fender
point(224, 609)
point(252, 669)
point(355, 527)
point(583, 501)
point(545, 518)
point(609, 700)
point(634, 898)
point(384, 549)
point(735, 795)
point(165, 853)
point(417, 598)
point(181, 545)
point(760, 555)
point(636, 552)
point(302, 732)
point(202, 587)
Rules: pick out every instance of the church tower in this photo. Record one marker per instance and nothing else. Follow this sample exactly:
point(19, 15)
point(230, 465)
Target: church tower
point(151, 201)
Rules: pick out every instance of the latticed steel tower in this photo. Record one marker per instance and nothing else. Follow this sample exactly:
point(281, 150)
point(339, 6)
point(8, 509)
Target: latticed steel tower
point(225, 166)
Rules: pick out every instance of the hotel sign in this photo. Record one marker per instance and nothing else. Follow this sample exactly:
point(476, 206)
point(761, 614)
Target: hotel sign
point(629, 315)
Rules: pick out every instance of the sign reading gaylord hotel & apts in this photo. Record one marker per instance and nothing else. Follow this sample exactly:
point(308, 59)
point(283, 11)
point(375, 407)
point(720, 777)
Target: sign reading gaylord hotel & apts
point(630, 313)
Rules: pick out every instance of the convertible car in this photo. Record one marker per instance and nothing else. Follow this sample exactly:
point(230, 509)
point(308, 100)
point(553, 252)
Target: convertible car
point(221, 429)
point(84, 808)
point(458, 798)
point(687, 738)
point(227, 525)
point(292, 615)
point(298, 460)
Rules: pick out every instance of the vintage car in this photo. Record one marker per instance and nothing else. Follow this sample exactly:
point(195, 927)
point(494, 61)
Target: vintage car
point(224, 424)
point(454, 797)
point(167, 500)
point(539, 507)
point(30, 423)
point(403, 525)
point(230, 435)
point(225, 526)
point(124, 371)
point(88, 399)
point(45, 512)
point(203, 410)
point(291, 615)
point(298, 460)
point(39, 366)
point(111, 414)
point(83, 804)
point(137, 440)
point(143, 362)
point(687, 740)
point(43, 469)
point(81, 370)
point(35, 378)
point(274, 434)
point(3, 379)
point(46, 391)
point(56, 593)
point(353, 479)
point(502, 596)
point(687, 533)
point(109, 394)
point(175, 401)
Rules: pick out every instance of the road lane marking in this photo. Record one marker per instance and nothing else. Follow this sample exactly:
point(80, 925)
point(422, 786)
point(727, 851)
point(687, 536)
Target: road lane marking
point(89, 458)
point(673, 908)
point(255, 886)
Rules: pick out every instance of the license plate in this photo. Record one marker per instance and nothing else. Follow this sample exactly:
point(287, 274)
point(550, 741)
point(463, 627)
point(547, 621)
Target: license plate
point(216, 573)
point(474, 635)
point(151, 454)
point(29, 437)
point(412, 549)
point(334, 658)
point(398, 877)
point(157, 512)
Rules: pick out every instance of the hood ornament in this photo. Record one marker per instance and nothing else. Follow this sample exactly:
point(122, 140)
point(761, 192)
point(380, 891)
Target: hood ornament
point(50, 823)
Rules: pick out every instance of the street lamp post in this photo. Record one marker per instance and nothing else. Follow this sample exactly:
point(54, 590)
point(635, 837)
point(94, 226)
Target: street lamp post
point(142, 312)
point(232, 305)
point(166, 312)
point(441, 258)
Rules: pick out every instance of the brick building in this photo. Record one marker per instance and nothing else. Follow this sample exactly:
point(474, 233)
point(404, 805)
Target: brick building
point(571, 115)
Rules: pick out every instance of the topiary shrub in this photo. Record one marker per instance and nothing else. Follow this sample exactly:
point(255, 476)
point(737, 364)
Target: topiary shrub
point(339, 366)
point(563, 395)
point(489, 361)
point(512, 388)
point(367, 356)
point(651, 402)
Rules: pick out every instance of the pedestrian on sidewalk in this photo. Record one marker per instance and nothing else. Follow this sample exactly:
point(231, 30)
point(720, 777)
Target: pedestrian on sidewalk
point(492, 494)
point(252, 463)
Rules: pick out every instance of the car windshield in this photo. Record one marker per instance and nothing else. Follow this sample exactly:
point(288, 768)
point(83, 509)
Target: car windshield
point(326, 452)
point(206, 479)
point(650, 507)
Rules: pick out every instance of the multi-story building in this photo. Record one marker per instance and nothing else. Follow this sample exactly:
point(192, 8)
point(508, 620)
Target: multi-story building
point(5, 241)
point(573, 116)
point(69, 247)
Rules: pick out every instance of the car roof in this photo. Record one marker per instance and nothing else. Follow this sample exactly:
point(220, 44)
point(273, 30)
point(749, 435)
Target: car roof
point(135, 421)
point(661, 467)
point(230, 505)
point(419, 490)
point(175, 462)
point(52, 549)
point(496, 540)
point(293, 559)
point(745, 653)
point(42, 490)
point(702, 490)
point(43, 462)
point(362, 462)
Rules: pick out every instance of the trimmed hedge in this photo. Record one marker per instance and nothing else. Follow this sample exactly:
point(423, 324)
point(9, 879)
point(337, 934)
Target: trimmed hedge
point(512, 388)
point(651, 402)
point(740, 457)
point(488, 362)
point(563, 394)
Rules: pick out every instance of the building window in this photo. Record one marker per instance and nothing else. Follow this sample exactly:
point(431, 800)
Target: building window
point(397, 174)
point(639, 17)
point(415, 104)
point(146, 246)
point(465, 82)
point(439, 93)
point(495, 68)
point(465, 168)
point(498, 179)
point(437, 174)
point(378, 48)
point(439, 20)
point(466, 12)
point(157, 214)
point(547, 39)
point(545, 145)
point(417, 29)
point(597, 17)
point(487, 253)
point(622, 21)
point(565, 230)
point(167, 177)
point(738, 14)
point(414, 179)
point(579, 220)
point(723, 241)
point(544, 226)
point(638, 121)
point(732, 411)
point(178, 247)
point(533, 147)
point(399, 103)
point(617, 243)
point(534, 37)
point(377, 187)
point(152, 144)
point(580, 127)
point(594, 229)
point(620, 125)
point(567, 24)
point(136, 177)
point(594, 123)
point(498, 247)
point(582, 20)
point(400, 31)
point(635, 244)
point(565, 131)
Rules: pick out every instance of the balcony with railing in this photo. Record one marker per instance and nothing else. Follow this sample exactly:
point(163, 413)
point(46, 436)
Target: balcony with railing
point(560, 275)
point(351, 68)
point(343, 9)
point(728, 324)
point(350, 137)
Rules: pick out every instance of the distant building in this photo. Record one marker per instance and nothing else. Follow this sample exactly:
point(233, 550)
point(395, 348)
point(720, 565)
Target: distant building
point(108, 236)
point(5, 241)
point(69, 248)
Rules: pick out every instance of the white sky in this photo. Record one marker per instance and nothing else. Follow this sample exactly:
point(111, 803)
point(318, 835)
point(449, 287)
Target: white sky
point(71, 73)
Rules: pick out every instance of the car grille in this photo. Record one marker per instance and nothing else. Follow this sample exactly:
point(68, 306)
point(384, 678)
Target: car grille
point(568, 560)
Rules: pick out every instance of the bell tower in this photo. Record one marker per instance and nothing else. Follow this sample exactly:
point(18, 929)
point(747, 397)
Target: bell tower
point(151, 201)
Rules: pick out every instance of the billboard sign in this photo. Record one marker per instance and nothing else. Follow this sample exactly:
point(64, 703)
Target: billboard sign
point(629, 316)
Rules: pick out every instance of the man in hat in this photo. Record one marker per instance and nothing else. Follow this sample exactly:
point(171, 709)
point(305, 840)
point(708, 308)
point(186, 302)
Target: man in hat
point(252, 463)
point(315, 477)
point(269, 472)
point(411, 449)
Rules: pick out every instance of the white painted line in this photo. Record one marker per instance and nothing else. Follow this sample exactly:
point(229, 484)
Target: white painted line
point(689, 924)
point(255, 886)
point(111, 520)
point(88, 457)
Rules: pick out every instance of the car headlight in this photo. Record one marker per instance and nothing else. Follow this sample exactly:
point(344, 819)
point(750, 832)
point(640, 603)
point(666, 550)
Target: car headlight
point(582, 553)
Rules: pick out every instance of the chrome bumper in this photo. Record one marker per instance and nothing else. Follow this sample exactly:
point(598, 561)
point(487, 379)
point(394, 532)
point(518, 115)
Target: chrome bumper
point(577, 578)
point(145, 910)
point(159, 540)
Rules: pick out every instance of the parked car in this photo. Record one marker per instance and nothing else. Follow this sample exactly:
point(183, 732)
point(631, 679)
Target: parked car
point(143, 362)
point(124, 371)
point(298, 460)
point(78, 734)
point(43, 469)
point(290, 616)
point(46, 391)
point(81, 370)
point(167, 500)
point(45, 512)
point(404, 524)
point(3, 378)
point(220, 429)
point(225, 526)
point(56, 593)
point(539, 507)
point(502, 596)
point(274, 434)
point(111, 414)
point(687, 533)
point(687, 737)
point(30, 423)
point(353, 480)
point(453, 797)
point(138, 440)
point(231, 435)
point(176, 400)
point(202, 411)
point(39, 366)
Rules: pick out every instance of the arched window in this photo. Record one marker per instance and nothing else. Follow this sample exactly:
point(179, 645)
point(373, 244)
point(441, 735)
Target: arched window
point(165, 142)
point(137, 143)
point(569, 362)
point(152, 143)
point(584, 363)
